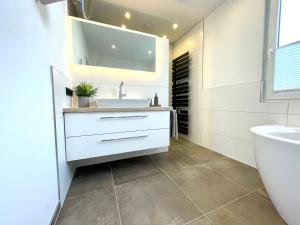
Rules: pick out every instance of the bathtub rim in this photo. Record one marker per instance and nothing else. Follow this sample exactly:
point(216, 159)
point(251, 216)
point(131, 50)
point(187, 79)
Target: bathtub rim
point(266, 130)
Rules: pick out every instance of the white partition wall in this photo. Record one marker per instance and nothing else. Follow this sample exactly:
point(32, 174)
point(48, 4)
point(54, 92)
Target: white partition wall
point(60, 82)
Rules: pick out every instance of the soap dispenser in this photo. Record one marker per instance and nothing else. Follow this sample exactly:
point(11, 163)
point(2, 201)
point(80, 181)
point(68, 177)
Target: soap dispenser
point(156, 100)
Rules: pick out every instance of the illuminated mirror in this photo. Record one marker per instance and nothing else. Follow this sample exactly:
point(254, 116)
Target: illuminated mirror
point(107, 46)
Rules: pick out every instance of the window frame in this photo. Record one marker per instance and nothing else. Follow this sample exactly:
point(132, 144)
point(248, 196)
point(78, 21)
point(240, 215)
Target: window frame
point(272, 26)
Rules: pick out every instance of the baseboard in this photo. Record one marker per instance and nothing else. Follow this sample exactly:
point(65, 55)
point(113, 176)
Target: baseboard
point(55, 214)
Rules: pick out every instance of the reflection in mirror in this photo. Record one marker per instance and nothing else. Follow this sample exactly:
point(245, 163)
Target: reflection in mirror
point(105, 46)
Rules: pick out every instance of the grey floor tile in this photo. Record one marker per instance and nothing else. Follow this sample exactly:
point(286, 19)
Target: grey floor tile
point(201, 221)
point(206, 188)
point(90, 178)
point(263, 193)
point(180, 142)
point(178, 147)
point(132, 169)
point(98, 207)
point(250, 210)
point(241, 173)
point(154, 201)
point(173, 160)
point(201, 155)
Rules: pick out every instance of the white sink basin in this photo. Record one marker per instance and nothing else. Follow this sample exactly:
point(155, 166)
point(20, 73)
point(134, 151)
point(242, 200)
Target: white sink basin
point(123, 103)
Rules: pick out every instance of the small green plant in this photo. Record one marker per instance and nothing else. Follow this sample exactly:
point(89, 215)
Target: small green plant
point(85, 90)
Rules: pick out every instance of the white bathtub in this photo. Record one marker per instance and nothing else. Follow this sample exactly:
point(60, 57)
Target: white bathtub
point(277, 150)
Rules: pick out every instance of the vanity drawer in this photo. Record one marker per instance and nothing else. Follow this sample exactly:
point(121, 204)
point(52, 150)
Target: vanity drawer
point(79, 124)
point(110, 144)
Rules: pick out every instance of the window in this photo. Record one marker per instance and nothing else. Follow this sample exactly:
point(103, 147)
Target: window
point(282, 63)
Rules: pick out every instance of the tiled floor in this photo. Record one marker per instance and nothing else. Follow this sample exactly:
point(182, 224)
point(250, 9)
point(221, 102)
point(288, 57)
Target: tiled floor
point(189, 185)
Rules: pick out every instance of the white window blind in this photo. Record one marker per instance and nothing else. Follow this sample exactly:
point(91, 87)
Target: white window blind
point(287, 68)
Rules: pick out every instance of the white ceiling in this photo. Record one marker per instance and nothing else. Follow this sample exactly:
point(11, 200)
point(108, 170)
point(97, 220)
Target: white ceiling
point(154, 16)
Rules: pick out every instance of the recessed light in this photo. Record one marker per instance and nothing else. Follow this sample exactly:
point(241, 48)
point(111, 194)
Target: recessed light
point(113, 47)
point(127, 15)
point(175, 26)
point(123, 26)
point(165, 36)
point(149, 52)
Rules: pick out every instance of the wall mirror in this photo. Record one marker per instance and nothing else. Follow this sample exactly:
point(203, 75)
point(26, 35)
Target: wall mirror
point(107, 46)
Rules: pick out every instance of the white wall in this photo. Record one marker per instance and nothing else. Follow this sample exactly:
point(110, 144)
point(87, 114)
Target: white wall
point(233, 46)
point(232, 74)
point(193, 42)
point(138, 84)
point(30, 42)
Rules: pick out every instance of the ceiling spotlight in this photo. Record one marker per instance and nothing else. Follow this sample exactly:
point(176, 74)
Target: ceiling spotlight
point(175, 26)
point(113, 47)
point(127, 15)
point(123, 26)
point(149, 52)
point(165, 36)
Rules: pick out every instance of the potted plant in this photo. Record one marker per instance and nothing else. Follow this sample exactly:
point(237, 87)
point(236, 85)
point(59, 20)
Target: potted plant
point(84, 92)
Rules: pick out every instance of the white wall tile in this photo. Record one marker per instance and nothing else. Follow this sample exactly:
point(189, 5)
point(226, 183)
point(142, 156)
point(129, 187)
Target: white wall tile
point(133, 92)
point(81, 73)
point(191, 42)
point(195, 126)
point(162, 50)
point(195, 80)
point(195, 99)
point(294, 107)
point(170, 73)
point(294, 120)
point(162, 76)
point(237, 124)
point(196, 60)
point(233, 43)
point(113, 76)
point(240, 97)
point(237, 149)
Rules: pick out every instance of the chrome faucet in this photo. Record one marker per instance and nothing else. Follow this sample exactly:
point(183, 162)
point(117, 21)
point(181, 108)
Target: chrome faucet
point(121, 94)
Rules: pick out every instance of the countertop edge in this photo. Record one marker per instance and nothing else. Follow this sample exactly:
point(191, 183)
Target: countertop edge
point(89, 110)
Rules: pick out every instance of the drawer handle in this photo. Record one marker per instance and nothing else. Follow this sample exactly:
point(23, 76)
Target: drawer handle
point(123, 117)
point(124, 139)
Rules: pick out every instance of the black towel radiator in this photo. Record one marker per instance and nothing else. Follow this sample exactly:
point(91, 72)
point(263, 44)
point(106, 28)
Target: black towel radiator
point(180, 91)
